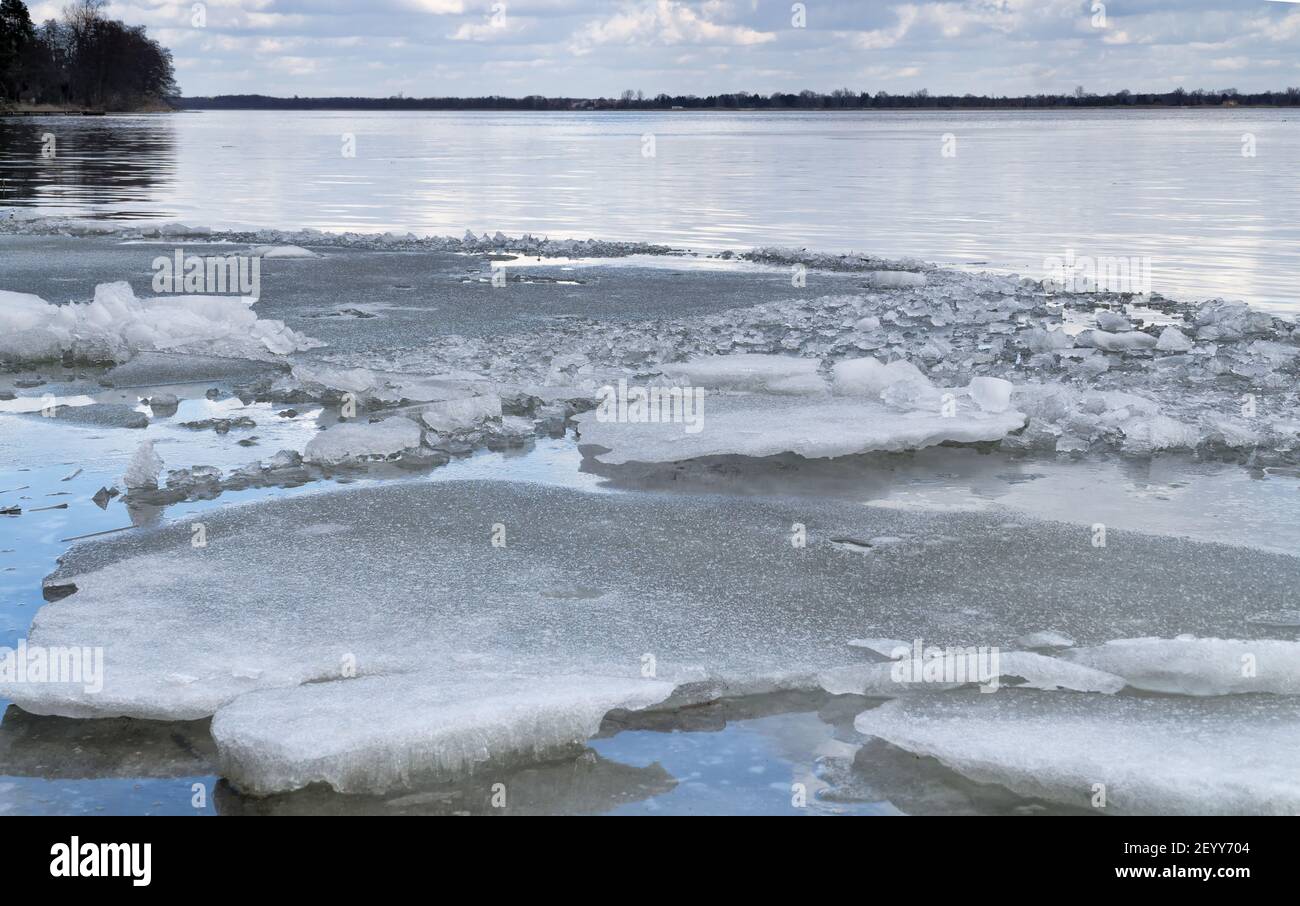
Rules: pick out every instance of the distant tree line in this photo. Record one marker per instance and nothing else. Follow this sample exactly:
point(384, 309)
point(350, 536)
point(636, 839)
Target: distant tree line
point(841, 99)
point(83, 59)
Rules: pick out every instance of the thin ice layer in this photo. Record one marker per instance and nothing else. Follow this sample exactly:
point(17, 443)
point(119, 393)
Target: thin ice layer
point(762, 425)
point(1023, 669)
point(1191, 666)
point(1217, 756)
point(375, 734)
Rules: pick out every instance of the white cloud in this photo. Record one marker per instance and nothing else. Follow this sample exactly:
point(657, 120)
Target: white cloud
point(437, 7)
point(664, 22)
point(593, 47)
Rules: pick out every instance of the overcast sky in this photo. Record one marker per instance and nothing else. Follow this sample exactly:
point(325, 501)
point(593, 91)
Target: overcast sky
point(601, 47)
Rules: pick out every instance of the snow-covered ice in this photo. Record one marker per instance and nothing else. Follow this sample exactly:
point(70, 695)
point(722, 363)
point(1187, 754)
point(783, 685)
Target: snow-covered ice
point(378, 733)
point(789, 409)
point(909, 674)
point(759, 425)
point(1165, 756)
point(1195, 666)
point(1045, 639)
point(117, 324)
point(403, 579)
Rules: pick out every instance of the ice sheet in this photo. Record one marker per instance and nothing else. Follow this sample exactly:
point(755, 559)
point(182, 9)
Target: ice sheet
point(379, 733)
point(1152, 755)
point(1022, 669)
point(1192, 666)
point(405, 577)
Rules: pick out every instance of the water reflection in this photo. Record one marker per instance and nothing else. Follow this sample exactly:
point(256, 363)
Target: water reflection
point(99, 167)
point(1168, 185)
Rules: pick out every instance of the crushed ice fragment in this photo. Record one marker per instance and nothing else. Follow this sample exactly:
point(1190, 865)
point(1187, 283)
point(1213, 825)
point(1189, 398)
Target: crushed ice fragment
point(143, 470)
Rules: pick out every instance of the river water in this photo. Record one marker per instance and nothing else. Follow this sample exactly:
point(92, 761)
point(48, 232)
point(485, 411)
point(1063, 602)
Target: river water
point(1212, 198)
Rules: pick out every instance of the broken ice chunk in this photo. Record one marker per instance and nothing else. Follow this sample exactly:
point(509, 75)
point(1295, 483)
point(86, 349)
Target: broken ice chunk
point(316, 377)
point(446, 416)
point(116, 325)
point(1153, 756)
point(1117, 342)
point(1173, 340)
point(870, 378)
point(143, 470)
point(1144, 435)
point(381, 733)
point(991, 394)
point(767, 425)
point(1040, 340)
point(1113, 322)
point(354, 441)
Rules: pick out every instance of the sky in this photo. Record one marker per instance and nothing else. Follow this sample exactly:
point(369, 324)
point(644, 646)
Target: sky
point(587, 48)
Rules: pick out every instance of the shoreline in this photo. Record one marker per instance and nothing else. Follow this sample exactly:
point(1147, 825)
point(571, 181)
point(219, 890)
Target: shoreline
point(71, 110)
point(188, 108)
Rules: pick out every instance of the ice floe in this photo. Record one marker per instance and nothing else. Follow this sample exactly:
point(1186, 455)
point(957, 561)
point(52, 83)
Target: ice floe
point(760, 425)
point(951, 668)
point(1116, 754)
point(379, 733)
point(1194, 666)
point(405, 579)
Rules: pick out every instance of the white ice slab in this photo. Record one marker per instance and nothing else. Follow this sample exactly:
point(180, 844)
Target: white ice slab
point(753, 425)
point(354, 441)
point(404, 578)
point(1198, 666)
point(375, 734)
point(1165, 756)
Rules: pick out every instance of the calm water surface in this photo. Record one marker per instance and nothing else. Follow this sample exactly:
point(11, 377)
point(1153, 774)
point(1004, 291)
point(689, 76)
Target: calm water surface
point(1169, 184)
